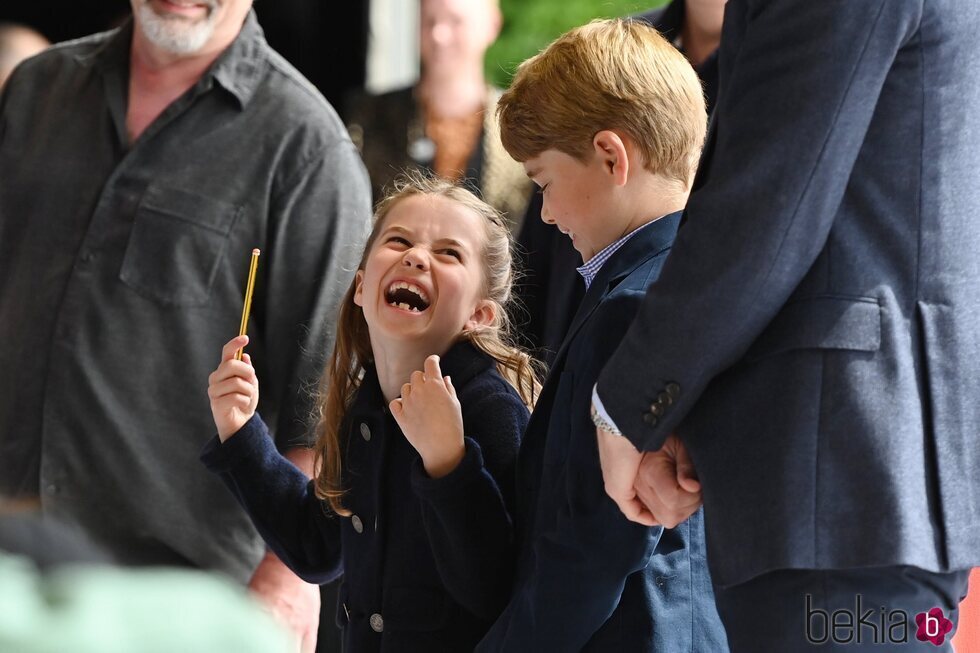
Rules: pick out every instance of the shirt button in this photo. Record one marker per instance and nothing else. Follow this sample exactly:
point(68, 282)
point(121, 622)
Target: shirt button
point(357, 524)
point(377, 623)
point(365, 432)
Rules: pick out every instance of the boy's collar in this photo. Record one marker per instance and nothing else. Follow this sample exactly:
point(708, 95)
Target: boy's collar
point(590, 269)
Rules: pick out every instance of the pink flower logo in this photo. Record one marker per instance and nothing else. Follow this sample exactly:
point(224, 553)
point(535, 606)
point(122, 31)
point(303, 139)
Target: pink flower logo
point(933, 626)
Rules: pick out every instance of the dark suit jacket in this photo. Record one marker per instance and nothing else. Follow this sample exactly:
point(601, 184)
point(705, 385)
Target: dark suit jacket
point(816, 322)
point(550, 290)
point(427, 563)
point(588, 578)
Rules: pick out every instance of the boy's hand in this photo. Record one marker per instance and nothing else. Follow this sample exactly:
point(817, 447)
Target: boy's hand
point(429, 415)
point(233, 389)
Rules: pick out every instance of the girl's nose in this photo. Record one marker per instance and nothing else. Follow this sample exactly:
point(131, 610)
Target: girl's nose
point(414, 258)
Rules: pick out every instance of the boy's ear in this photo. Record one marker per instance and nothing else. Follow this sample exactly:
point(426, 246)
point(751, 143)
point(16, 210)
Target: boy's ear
point(611, 150)
point(484, 315)
point(359, 288)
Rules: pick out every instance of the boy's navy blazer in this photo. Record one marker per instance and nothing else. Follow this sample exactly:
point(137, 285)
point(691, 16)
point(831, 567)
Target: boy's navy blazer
point(427, 563)
point(588, 578)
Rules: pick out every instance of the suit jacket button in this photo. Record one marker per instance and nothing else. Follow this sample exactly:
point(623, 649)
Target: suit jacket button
point(650, 419)
point(673, 390)
point(356, 522)
point(365, 432)
point(657, 409)
point(664, 399)
point(377, 623)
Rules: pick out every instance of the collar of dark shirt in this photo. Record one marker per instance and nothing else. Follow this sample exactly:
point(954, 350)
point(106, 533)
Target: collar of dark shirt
point(238, 69)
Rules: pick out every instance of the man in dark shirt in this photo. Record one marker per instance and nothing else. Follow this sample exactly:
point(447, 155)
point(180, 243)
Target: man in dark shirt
point(139, 168)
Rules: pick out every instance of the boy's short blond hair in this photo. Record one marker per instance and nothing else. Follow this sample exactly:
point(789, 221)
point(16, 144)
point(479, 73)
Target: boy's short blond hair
point(617, 74)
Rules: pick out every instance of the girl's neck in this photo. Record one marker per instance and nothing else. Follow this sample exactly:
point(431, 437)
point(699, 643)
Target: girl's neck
point(395, 362)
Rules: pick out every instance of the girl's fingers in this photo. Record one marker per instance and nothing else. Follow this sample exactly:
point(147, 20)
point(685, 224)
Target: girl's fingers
point(232, 368)
point(431, 366)
point(232, 346)
point(449, 386)
point(395, 406)
point(231, 386)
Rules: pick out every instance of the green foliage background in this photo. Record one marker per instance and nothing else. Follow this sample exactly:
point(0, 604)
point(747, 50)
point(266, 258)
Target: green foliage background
point(529, 25)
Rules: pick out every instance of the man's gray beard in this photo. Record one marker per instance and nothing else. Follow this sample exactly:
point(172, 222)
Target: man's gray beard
point(175, 35)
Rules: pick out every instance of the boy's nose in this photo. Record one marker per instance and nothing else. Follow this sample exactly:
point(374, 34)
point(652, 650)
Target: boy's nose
point(546, 214)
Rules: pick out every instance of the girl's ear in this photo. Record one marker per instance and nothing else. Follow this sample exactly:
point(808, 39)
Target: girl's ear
point(484, 315)
point(359, 288)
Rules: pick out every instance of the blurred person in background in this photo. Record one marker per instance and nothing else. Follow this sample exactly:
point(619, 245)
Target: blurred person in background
point(446, 123)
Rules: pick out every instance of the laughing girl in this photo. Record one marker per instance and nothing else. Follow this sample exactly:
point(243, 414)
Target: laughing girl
point(416, 519)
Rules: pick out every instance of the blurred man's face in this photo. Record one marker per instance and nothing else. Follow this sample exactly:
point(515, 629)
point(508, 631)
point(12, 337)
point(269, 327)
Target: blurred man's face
point(456, 33)
point(185, 27)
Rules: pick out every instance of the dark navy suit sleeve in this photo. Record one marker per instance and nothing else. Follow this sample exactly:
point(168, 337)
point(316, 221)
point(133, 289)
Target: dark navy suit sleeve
point(466, 514)
point(581, 562)
point(279, 499)
point(797, 98)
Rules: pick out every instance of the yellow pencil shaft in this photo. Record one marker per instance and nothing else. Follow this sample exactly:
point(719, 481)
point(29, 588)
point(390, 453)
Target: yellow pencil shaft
point(249, 287)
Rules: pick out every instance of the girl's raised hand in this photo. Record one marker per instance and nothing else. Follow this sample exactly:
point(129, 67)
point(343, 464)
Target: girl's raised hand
point(233, 389)
point(429, 415)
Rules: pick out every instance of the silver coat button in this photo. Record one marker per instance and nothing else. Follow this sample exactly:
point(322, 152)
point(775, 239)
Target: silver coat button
point(365, 432)
point(356, 522)
point(377, 623)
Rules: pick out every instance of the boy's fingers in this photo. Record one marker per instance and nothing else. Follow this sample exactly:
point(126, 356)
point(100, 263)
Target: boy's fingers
point(232, 346)
point(432, 370)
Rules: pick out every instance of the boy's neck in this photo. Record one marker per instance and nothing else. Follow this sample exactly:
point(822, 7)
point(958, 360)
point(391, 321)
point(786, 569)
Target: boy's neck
point(645, 199)
point(395, 361)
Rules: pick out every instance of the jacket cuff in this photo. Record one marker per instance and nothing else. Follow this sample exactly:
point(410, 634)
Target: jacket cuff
point(468, 468)
point(220, 456)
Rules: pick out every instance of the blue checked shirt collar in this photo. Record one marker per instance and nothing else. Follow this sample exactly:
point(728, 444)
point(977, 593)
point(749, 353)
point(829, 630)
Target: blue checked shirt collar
point(591, 268)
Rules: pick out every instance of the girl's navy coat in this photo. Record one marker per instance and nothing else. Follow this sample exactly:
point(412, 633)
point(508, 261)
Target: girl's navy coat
point(427, 563)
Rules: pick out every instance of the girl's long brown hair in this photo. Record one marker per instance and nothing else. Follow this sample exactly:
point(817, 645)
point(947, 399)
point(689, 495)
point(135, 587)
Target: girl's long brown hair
point(352, 348)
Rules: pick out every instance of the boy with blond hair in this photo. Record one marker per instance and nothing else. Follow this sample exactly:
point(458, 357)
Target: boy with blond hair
point(608, 121)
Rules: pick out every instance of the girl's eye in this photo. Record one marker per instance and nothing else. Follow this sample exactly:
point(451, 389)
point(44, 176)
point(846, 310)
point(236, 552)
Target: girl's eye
point(454, 253)
point(399, 240)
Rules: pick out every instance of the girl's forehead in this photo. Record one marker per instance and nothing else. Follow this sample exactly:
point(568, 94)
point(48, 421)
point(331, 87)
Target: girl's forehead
point(435, 217)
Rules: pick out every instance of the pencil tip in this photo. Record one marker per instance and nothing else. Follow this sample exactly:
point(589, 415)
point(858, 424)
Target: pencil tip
point(256, 252)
